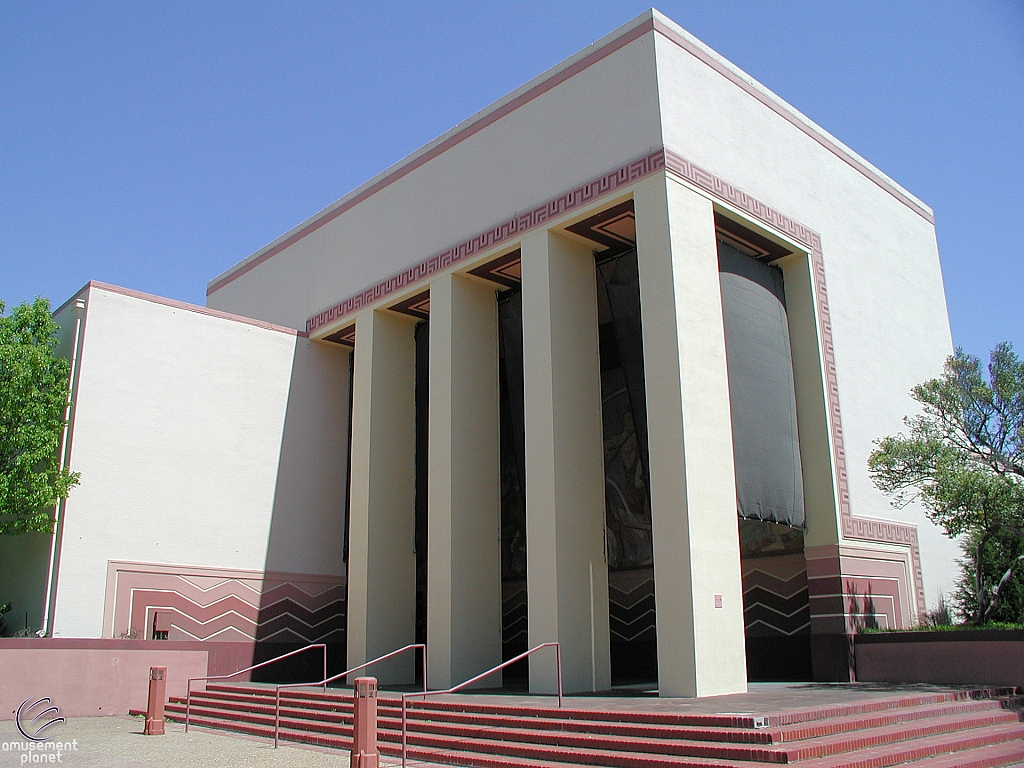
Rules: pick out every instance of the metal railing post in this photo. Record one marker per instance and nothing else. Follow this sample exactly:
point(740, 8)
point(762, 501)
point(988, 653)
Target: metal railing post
point(403, 731)
point(188, 688)
point(558, 669)
point(481, 676)
point(424, 652)
point(346, 673)
point(277, 717)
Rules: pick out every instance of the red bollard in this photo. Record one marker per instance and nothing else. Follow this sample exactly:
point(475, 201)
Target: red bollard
point(364, 724)
point(157, 697)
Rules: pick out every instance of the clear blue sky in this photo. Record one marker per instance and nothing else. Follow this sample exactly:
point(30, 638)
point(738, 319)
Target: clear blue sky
point(153, 145)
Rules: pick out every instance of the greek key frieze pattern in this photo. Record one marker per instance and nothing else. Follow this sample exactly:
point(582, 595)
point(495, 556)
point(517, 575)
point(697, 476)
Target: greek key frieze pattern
point(725, 191)
point(853, 527)
point(508, 229)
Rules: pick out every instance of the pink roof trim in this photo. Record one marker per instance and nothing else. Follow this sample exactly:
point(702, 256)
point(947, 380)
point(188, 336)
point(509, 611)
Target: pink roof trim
point(96, 285)
point(650, 25)
point(444, 146)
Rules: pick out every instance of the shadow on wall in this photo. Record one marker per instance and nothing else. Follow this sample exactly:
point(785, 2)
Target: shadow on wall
point(303, 598)
point(861, 609)
point(23, 562)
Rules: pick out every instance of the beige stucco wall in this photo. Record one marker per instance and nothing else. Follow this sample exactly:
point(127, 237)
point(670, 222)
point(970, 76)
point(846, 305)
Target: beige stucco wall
point(885, 291)
point(888, 314)
point(597, 120)
point(179, 423)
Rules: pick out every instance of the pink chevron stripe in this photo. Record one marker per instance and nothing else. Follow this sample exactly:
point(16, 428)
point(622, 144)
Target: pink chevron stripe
point(779, 566)
point(163, 582)
point(200, 613)
point(778, 630)
point(760, 578)
point(787, 597)
point(216, 625)
point(216, 585)
point(195, 609)
point(293, 620)
point(210, 603)
point(299, 596)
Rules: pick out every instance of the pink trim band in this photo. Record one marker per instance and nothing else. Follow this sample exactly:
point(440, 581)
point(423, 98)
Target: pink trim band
point(503, 232)
point(853, 527)
point(95, 285)
point(489, 119)
point(651, 25)
point(822, 139)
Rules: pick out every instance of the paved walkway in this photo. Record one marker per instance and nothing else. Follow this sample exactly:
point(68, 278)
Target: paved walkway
point(117, 742)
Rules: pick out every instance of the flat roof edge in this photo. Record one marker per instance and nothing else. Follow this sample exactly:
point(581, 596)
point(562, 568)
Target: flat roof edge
point(496, 106)
point(648, 21)
point(175, 304)
point(791, 112)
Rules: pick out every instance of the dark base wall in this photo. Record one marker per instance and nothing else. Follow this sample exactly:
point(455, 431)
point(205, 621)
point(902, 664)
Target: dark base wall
point(965, 657)
point(832, 658)
point(306, 667)
point(779, 659)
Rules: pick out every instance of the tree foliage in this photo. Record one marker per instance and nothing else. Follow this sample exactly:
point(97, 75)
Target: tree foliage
point(963, 458)
point(33, 400)
point(1000, 553)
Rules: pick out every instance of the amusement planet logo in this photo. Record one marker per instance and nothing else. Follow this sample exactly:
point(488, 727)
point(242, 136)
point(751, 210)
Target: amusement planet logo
point(32, 722)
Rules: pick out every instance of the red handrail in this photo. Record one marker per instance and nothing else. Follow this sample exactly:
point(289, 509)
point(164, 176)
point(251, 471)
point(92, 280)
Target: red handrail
point(188, 690)
point(332, 678)
point(481, 676)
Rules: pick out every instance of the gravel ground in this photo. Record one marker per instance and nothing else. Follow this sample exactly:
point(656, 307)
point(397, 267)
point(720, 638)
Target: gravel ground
point(117, 742)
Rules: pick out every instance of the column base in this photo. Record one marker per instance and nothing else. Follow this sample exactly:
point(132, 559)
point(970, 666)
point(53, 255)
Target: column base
point(832, 659)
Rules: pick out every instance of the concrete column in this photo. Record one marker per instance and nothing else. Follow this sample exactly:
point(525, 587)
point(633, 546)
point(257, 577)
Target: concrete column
point(831, 648)
point(820, 498)
point(567, 576)
point(464, 496)
point(697, 579)
point(382, 564)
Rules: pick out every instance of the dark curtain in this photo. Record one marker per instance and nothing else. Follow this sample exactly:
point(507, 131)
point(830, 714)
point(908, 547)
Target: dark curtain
point(769, 481)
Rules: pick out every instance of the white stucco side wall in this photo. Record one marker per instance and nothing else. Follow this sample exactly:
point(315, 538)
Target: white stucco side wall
point(885, 291)
point(180, 417)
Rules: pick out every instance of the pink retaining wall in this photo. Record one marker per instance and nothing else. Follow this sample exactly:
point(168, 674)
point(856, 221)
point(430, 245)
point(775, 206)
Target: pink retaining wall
point(978, 657)
point(105, 677)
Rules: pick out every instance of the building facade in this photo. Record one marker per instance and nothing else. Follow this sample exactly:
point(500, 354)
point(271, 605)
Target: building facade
point(602, 365)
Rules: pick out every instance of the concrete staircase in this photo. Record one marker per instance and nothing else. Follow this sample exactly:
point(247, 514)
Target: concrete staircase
point(964, 729)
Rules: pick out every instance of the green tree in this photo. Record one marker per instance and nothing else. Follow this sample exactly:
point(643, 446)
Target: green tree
point(1000, 553)
point(964, 460)
point(33, 401)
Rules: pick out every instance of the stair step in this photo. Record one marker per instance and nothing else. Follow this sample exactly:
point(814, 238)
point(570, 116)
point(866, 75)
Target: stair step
point(510, 741)
point(881, 718)
point(952, 746)
point(443, 722)
point(499, 740)
point(334, 698)
point(879, 737)
point(527, 755)
point(1008, 755)
point(971, 728)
